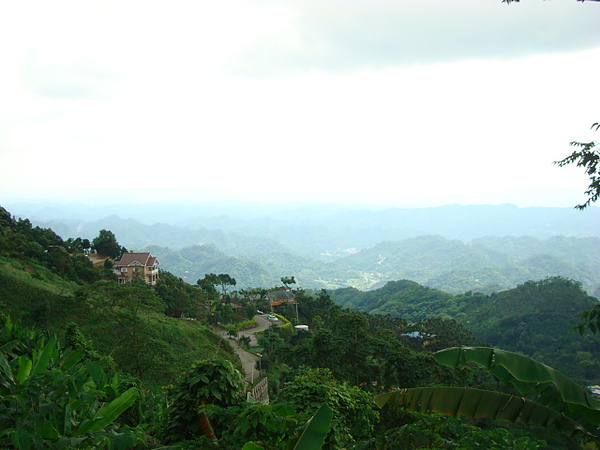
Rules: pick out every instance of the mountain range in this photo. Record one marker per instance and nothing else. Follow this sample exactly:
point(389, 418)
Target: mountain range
point(482, 248)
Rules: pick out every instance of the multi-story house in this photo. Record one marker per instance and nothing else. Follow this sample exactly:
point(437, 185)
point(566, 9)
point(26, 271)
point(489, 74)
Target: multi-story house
point(137, 266)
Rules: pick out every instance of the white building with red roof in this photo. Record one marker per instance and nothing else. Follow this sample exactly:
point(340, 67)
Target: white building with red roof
point(137, 266)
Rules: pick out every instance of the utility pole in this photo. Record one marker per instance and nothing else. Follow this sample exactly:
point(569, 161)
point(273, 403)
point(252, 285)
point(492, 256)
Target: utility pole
point(297, 320)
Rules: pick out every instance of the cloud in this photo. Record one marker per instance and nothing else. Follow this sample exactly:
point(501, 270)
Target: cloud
point(409, 101)
point(350, 35)
point(68, 81)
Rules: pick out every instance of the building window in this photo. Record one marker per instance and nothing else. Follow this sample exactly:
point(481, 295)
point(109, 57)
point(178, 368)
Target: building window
point(123, 269)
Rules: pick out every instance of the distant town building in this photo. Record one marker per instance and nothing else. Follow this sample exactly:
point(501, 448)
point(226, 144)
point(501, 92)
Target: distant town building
point(137, 266)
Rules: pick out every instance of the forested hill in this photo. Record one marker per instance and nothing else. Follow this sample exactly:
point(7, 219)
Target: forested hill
point(452, 248)
point(535, 318)
point(486, 265)
point(405, 299)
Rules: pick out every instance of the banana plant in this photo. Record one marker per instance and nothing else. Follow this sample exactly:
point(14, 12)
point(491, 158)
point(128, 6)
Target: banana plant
point(316, 430)
point(553, 398)
point(51, 396)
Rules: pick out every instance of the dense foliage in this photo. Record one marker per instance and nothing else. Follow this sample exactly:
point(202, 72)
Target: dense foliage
point(354, 415)
point(374, 352)
point(52, 396)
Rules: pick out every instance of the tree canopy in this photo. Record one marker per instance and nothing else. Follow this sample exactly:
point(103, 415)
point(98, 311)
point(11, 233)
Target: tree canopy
point(587, 157)
point(106, 244)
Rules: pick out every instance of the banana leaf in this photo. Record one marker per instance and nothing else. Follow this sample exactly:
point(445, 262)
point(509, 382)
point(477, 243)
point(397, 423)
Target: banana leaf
point(110, 412)
point(41, 359)
point(25, 365)
point(551, 388)
point(5, 368)
point(476, 404)
point(316, 430)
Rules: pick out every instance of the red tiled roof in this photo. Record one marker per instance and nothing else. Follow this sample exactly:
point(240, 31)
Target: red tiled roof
point(145, 259)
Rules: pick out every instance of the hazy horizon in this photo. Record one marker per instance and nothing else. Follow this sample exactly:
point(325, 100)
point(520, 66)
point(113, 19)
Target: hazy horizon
point(186, 212)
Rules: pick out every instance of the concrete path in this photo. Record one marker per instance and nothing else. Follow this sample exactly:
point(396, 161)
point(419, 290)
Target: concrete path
point(248, 359)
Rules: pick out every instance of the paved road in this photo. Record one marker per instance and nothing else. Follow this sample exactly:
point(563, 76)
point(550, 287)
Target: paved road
point(248, 359)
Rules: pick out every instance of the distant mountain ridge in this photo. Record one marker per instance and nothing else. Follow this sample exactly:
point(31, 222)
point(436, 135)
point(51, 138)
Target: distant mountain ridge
point(334, 225)
point(454, 248)
point(485, 265)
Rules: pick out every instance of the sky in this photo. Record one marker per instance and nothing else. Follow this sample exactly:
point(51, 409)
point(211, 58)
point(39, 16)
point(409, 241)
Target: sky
point(406, 103)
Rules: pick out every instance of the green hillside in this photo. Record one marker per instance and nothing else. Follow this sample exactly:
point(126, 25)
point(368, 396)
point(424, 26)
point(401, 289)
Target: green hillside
point(404, 299)
point(45, 286)
point(535, 318)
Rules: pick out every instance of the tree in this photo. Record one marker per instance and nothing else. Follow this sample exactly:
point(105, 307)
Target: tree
point(287, 281)
point(587, 157)
point(226, 280)
point(211, 280)
point(179, 297)
point(6, 220)
point(209, 382)
point(353, 414)
point(207, 284)
point(106, 244)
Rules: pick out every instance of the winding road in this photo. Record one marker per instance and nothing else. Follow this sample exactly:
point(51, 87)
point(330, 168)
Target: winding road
point(248, 359)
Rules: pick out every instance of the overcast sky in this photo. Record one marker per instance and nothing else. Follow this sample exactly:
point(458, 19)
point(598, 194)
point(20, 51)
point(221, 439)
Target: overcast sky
point(405, 102)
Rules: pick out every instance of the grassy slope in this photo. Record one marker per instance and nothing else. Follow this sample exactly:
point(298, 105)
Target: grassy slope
point(166, 348)
point(33, 294)
point(30, 275)
point(37, 297)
